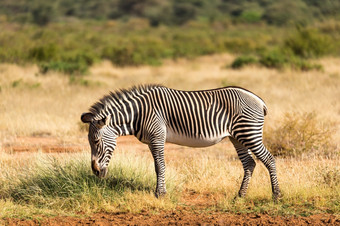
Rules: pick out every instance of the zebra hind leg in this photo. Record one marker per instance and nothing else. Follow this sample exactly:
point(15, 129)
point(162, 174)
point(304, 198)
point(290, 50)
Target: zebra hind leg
point(248, 165)
point(261, 152)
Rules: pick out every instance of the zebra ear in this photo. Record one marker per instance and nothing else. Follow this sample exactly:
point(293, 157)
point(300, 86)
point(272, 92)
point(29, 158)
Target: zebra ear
point(103, 122)
point(87, 117)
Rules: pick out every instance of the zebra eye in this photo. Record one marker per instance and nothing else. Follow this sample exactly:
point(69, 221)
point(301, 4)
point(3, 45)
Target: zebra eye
point(96, 141)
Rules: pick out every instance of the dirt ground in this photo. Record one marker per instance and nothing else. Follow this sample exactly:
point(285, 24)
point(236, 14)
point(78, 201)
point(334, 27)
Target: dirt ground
point(182, 216)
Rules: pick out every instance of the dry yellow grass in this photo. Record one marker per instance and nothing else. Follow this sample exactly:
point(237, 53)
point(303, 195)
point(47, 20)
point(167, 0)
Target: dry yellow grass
point(33, 103)
point(211, 175)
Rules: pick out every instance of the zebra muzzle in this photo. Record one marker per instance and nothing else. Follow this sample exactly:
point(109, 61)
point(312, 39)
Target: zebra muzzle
point(95, 168)
point(97, 171)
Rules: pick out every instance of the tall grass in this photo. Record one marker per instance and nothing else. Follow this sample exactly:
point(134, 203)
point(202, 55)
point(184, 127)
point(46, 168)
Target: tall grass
point(65, 184)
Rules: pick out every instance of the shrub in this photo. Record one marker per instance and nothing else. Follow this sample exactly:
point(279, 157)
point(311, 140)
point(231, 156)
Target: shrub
point(122, 56)
point(136, 52)
point(242, 61)
point(64, 67)
point(42, 14)
point(273, 59)
point(250, 16)
point(299, 134)
point(283, 12)
point(308, 43)
point(43, 52)
point(74, 63)
point(238, 45)
point(304, 65)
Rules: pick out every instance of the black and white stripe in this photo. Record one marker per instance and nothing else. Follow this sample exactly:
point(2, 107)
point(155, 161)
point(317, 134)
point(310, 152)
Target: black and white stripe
point(157, 114)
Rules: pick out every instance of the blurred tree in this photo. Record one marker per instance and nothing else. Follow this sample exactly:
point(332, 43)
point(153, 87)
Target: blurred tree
point(42, 13)
point(285, 11)
point(183, 12)
point(175, 12)
point(159, 13)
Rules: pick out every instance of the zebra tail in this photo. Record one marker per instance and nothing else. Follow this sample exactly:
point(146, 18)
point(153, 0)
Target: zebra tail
point(265, 109)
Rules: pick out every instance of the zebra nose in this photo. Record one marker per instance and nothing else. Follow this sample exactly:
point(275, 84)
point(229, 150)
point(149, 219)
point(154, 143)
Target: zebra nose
point(95, 168)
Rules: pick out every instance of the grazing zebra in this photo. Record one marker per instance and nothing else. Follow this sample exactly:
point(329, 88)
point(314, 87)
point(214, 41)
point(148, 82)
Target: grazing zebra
point(157, 114)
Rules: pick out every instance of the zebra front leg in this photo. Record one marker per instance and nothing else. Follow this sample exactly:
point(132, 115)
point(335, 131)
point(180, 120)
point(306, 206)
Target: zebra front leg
point(248, 165)
point(158, 155)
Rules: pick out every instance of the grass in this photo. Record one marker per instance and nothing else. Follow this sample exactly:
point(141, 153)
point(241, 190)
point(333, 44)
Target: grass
point(63, 184)
point(283, 91)
point(38, 184)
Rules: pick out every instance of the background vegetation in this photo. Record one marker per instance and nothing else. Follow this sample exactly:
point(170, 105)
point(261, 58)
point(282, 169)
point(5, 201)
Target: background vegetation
point(70, 36)
point(173, 12)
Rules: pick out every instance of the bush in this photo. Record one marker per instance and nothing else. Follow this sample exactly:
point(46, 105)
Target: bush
point(43, 52)
point(242, 61)
point(238, 45)
point(304, 65)
point(299, 134)
point(308, 43)
point(250, 16)
point(273, 59)
point(42, 14)
point(284, 12)
point(77, 63)
point(137, 52)
point(63, 67)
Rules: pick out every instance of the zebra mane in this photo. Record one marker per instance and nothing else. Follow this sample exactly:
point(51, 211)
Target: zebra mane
point(99, 109)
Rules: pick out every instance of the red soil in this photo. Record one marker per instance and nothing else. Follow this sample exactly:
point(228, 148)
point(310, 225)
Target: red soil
point(180, 218)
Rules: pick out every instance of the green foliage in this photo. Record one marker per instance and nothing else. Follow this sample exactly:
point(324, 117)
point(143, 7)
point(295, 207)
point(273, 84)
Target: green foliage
point(73, 47)
point(183, 12)
point(135, 53)
point(241, 45)
point(42, 14)
point(63, 67)
point(309, 43)
point(285, 12)
point(251, 16)
point(172, 12)
point(77, 63)
point(299, 134)
point(304, 65)
point(242, 61)
point(43, 52)
point(277, 58)
point(273, 59)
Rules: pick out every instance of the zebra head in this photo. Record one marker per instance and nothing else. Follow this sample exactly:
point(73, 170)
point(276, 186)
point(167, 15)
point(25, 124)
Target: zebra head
point(102, 139)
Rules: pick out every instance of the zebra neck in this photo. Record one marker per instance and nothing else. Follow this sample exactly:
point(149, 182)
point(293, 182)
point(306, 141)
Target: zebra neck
point(123, 130)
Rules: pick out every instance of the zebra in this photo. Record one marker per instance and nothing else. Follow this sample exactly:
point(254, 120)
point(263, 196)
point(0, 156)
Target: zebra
point(156, 114)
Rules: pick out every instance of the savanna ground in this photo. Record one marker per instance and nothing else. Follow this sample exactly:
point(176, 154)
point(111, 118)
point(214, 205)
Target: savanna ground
point(45, 159)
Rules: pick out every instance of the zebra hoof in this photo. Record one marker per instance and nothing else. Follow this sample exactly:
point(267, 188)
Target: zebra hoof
point(160, 194)
point(238, 197)
point(277, 197)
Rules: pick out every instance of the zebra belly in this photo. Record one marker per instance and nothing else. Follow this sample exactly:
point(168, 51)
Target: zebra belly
point(180, 139)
